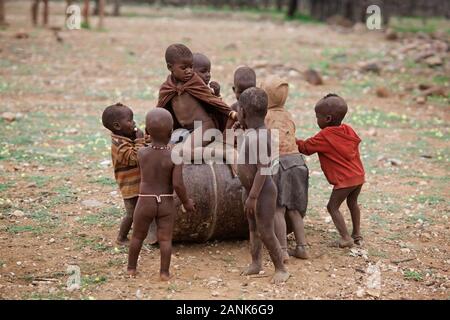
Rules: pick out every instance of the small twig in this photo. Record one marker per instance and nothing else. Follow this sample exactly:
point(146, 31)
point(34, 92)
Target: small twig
point(402, 260)
point(259, 276)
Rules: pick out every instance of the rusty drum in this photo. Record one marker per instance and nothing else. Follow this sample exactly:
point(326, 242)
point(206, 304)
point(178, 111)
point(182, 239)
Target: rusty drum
point(217, 194)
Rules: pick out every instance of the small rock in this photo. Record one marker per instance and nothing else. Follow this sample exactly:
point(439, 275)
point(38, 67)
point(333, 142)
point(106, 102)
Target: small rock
point(21, 35)
point(328, 219)
point(370, 67)
point(394, 162)
point(8, 116)
point(139, 294)
point(71, 131)
point(374, 292)
point(372, 132)
point(360, 293)
point(424, 86)
point(231, 46)
point(105, 163)
point(313, 77)
point(52, 240)
point(17, 213)
point(434, 61)
point(92, 203)
point(421, 100)
point(434, 91)
point(382, 92)
point(215, 294)
point(391, 35)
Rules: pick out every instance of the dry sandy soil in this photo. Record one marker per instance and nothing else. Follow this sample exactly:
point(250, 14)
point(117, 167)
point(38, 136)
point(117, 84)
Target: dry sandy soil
point(52, 157)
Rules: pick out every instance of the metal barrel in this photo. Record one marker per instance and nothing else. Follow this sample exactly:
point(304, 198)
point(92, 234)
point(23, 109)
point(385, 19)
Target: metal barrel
point(217, 194)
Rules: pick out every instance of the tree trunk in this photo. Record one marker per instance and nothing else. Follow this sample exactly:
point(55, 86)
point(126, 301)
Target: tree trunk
point(116, 11)
point(2, 13)
point(96, 8)
point(292, 9)
point(86, 13)
point(101, 13)
point(279, 5)
point(45, 13)
point(34, 12)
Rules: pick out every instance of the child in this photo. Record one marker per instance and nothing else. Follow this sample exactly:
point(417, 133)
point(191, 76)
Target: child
point(159, 178)
point(202, 67)
point(261, 190)
point(337, 146)
point(244, 78)
point(188, 98)
point(292, 176)
point(126, 139)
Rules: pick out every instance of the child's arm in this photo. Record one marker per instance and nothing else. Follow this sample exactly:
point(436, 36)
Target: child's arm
point(216, 88)
point(127, 151)
point(253, 195)
point(180, 189)
point(312, 145)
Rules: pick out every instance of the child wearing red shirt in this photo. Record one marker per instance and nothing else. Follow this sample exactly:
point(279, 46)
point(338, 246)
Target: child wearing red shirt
point(337, 147)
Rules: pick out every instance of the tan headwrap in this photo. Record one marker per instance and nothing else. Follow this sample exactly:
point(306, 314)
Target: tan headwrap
point(277, 117)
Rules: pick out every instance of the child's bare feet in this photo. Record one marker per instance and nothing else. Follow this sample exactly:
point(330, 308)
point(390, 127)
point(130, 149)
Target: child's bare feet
point(358, 239)
point(252, 269)
point(164, 276)
point(123, 242)
point(299, 252)
point(132, 273)
point(280, 276)
point(343, 243)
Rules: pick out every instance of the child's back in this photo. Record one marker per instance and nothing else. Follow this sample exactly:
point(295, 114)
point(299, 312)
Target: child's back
point(159, 177)
point(157, 166)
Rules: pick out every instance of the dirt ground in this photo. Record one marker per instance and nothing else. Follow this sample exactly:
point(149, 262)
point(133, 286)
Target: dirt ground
point(55, 155)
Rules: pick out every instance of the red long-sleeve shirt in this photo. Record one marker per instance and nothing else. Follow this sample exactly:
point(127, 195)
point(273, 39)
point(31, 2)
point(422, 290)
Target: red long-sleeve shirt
point(338, 152)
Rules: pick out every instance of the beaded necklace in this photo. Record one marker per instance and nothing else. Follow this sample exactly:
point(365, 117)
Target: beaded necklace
point(159, 147)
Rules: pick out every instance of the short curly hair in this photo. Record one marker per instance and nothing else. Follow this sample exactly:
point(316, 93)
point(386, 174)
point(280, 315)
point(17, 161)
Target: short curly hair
point(254, 101)
point(176, 52)
point(112, 114)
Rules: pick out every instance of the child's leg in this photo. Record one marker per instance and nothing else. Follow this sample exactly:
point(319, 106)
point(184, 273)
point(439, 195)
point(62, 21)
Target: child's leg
point(144, 214)
point(165, 221)
point(352, 203)
point(336, 199)
point(299, 232)
point(265, 214)
point(255, 248)
point(127, 221)
point(280, 231)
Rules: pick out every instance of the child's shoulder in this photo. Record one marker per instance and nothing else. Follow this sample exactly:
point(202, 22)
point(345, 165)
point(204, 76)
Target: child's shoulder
point(118, 139)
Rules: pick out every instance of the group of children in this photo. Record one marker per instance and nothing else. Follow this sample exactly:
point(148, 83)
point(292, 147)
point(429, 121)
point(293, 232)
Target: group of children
point(147, 176)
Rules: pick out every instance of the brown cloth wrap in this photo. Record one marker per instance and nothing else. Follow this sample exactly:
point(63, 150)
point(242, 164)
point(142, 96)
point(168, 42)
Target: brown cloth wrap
point(196, 88)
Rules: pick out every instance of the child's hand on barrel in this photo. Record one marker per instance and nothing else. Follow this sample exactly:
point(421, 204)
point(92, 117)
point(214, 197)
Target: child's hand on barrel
point(189, 206)
point(250, 206)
